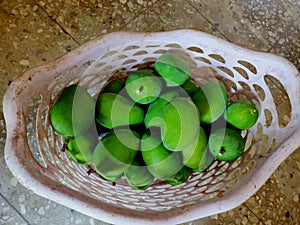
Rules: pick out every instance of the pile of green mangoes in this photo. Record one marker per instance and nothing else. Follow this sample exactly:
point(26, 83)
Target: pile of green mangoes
point(155, 125)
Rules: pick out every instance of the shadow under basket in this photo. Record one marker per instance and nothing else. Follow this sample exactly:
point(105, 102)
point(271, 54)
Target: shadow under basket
point(33, 151)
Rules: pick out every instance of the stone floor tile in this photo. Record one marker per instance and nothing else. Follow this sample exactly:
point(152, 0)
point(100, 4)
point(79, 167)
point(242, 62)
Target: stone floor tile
point(27, 38)
point(295, 3)
point(9, 215)
point(33, 32)
point(33, 208)
point(270, 19)
point(85, 20)
point(288, 45)
point(239, 215)
point(277, 202)
point(171, 15)
point(226, 17)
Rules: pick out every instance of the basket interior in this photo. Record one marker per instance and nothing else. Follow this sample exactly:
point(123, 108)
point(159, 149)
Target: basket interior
point(243, 77)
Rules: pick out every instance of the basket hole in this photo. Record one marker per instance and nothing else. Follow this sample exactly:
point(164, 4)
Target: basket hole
point(99, 64)
point(47, 151)
point(142, 52)
point(205, 181)
point(44, 118)
point(217, 57)
point(204, 74)
point(202, 59)
point(249, 167)
point(259, 132)
point(272, 147)
point(209, 174)
point(249, 140)
point(131, 47)
point(268, 117)
point(259, 91)
point(263, 145)
point(51, 138)
point(160, 51)
point(226, 71)
point(236, 163)
point(130, 61)
point(215, 188)
point(152, 46)
point(195, 176)
point(148, 64)
point(149, 59)
point(250, 153)
point(108, 54)
point(281, 100)
point(219, 178)
point(198, 190)
point(173, 45)
point(245, 86)
point(242, 72)
point(232, 182)
point(249, 66)
point(212, 166)
point(117, 58)
point(195, 49)
point(229, 84)
point(222, 169)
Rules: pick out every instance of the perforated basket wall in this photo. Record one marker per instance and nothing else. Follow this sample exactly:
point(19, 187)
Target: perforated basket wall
point(32, 149)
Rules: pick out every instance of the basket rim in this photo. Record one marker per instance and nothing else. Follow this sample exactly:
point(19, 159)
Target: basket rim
point(14, 120)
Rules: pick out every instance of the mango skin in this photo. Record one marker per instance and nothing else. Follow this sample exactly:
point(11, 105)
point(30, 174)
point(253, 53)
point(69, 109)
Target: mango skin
point(155, 110)
point(114, 86)
point(81, 147)
point(226, 144)
point(211, 100)
point(161, 163)
point(73, 112)
point(114, 110)
point(115, 152)
point(138, 176)
point(180, 177)
point(193, 154)
point(242, 114)
point(173, 68)
point(143, 86)
point(181, 124)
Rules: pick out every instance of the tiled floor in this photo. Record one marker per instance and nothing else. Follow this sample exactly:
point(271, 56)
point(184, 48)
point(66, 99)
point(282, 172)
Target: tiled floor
point(33, 32)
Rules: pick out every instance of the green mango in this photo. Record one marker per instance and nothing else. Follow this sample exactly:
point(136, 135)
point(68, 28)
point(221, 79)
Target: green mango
point(173, 68)
point(73, 112)
point(113, 110)
point(115, 152)
point(206, 160)
point(138, 176)
point(193, 154)
point(226, 144)
point(143, 86)
point(180, 125)
point(114, 86)
point(161, 163)
point(155, 109)
point(189, 87)
point(211, 100)
point(179, 177)
point(242, 114)
point(81, 147)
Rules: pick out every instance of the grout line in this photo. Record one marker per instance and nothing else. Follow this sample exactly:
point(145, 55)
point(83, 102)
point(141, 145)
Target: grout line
point(14, 208)
point(212, 24)
point(61, 27)
point(260, 220)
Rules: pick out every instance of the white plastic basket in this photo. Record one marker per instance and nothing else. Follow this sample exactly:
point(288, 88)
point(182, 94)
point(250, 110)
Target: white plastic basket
point(32, 149)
